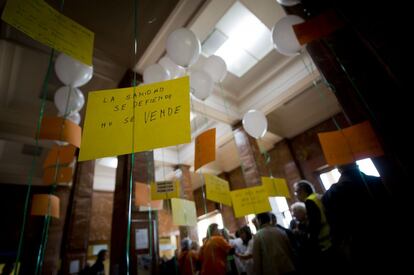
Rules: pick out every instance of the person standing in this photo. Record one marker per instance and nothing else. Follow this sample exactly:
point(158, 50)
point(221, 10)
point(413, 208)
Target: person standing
point(272, 252)
point(98, 267)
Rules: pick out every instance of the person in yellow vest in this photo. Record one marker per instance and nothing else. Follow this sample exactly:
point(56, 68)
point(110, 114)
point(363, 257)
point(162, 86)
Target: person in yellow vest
point(318, 228)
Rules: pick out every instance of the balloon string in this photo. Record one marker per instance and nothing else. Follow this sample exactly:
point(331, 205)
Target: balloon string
point(200, 173)
point(323, 98)
point(226, 107)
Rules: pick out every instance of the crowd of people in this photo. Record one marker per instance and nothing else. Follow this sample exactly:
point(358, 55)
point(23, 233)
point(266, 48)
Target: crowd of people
point(335, 233)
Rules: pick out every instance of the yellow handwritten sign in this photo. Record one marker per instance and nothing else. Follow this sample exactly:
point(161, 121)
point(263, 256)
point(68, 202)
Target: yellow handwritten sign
point(184, 212)
point(162, 118)
point(205, 148)
point(164, 190)
point(217, 189)
point(350, 144)
point(43, 23)
point(276, 187)
point(269, 186)
point(251, 200)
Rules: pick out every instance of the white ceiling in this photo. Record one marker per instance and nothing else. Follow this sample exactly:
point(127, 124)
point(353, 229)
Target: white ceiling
point(281, 87)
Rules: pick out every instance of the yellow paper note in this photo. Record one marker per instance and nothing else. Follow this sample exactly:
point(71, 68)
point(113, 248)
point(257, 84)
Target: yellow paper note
point(164, 190)
point(205, 148)
point(251, 200)
point(43, 23)
point(275, 187)
point(350, 144)
point(282, 189)
point(269, 186)
point(44, 204)
point(184, 212)
point(162, 118)
point(217, 189)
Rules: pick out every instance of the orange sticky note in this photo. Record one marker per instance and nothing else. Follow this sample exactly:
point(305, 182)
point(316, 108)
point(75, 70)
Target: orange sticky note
point(58, 128)
point(317, 27)
point(143, 197)
point(60, 155)
point(63, 174)
point(45, 204)
point(350, 144)
point(205, 148)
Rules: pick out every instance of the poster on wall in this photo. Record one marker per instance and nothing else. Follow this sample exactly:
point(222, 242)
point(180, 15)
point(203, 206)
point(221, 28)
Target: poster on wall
point(141, 238)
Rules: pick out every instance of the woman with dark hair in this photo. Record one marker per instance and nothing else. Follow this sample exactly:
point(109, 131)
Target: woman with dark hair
point(246, 258)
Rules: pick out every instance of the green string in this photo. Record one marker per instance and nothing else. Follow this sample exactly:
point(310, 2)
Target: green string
point(134, 84)
point(34, 159)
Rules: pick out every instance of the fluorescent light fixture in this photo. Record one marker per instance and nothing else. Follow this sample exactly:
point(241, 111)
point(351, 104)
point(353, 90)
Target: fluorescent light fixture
point(240, 38)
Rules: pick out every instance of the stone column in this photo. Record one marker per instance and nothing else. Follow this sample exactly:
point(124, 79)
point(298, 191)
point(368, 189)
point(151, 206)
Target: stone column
point(76, 235)
point(252, 162)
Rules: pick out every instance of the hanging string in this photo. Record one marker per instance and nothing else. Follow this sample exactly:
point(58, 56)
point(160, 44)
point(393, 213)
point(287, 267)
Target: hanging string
point(200, 174)
point(311, 69)
point(132, 155)
point(34, 159)
point(151, 177)
point(343, 111)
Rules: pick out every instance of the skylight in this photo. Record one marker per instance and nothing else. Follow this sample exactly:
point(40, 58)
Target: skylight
point(240, 38)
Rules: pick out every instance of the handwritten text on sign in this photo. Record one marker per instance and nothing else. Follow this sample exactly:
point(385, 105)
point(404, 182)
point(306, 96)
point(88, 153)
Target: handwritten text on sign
point(43, 23)
point(156, 115)
point(251, 200)
point(217, 189)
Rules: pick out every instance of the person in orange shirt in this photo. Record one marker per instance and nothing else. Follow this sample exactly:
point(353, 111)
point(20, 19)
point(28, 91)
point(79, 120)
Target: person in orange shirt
point(213, 254)
point(188, 259)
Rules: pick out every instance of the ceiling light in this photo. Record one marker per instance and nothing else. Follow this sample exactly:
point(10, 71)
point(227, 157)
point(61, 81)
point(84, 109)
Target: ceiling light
point(240, 38)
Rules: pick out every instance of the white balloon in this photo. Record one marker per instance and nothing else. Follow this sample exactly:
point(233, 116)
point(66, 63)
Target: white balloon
point(155, 73)
point(284, 38)
point(74, 117)
point(201, 84)
point(288, 3)
point(175, 70)
point(72, 72)
point(76, 100)
point(255, 123)
point(216, 67)
point(183, 47)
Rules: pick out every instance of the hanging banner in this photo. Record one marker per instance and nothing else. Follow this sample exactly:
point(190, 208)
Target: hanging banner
point(57, 128)
point(251, 200)
point(205, 148)
point(217, 189)
point(44, 24)
point(161, 119)
point(184, 212)
point(44, 204)
point(53, 175)
point(163, 190)
point(350, 144)
point(60, 155)
point(276, 187)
